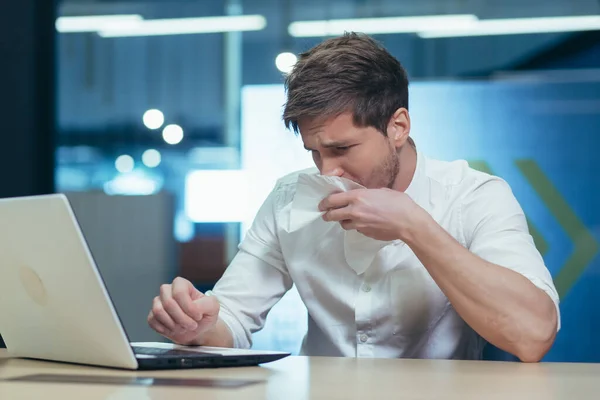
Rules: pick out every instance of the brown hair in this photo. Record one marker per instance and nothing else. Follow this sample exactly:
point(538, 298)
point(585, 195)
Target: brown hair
point(350, 73)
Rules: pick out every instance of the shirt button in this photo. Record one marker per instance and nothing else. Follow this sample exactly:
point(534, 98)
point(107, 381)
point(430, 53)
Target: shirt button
point(366, 288)
point(364, 338)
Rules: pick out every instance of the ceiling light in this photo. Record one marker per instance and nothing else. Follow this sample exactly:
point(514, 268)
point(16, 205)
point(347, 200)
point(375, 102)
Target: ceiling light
point(94, 23)
point(413, 24)
point(182, 26)
point(514, 26)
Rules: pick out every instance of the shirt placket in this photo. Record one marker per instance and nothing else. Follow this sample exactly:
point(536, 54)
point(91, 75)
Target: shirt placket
point(363, 318)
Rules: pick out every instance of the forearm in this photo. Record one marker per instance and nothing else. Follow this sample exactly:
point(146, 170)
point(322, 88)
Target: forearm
point(218, 336)
point(503, 306)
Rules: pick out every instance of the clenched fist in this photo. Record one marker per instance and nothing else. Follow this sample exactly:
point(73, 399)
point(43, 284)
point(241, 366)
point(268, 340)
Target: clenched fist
point(182, 313)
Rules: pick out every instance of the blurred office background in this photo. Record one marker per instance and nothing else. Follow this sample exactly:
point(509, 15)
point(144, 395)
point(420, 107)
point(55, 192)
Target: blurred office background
point(161, 121)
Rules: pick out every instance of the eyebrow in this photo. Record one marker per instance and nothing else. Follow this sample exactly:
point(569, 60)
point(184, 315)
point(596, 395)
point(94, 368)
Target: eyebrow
point(332, 144)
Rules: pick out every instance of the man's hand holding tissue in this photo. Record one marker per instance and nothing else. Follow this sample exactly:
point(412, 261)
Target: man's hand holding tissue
point(479, 291)
point(381, 214)
point(186, 316)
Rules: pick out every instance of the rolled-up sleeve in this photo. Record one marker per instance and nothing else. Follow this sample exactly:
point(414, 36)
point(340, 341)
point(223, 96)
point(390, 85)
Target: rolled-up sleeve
point(256, 278)
point(495, 229)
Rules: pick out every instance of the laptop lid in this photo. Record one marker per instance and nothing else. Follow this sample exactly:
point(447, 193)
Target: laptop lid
point(53, 302)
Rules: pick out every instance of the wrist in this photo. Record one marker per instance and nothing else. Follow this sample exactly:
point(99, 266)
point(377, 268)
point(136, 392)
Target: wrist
point(202, 337)
point(418, 222)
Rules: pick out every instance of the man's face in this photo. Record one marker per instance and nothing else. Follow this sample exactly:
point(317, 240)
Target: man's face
point(339, 148)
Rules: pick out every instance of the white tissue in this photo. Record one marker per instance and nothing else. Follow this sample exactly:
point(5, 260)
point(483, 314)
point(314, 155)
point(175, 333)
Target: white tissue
point(310, 190)
point(359, 250)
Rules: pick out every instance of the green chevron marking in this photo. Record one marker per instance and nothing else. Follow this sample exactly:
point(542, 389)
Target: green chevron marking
point(538, 239)
point(482, 166)
point(585, 246)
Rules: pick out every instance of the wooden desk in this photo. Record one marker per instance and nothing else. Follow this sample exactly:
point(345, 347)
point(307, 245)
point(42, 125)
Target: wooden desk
point(328, 378)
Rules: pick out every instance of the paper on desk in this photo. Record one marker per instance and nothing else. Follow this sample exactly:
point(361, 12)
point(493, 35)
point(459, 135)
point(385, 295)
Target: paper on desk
point(359, 250)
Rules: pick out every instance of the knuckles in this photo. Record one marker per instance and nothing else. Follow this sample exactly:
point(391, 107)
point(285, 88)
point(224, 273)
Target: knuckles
point(169, 304)
point(165, 288)
point(179, 280)
point(179, 296)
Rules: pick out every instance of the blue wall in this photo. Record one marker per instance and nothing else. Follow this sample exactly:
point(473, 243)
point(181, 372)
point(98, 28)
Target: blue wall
point(543, 139)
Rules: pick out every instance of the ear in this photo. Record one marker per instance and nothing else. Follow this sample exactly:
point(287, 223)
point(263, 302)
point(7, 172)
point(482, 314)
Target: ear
point(399, 127)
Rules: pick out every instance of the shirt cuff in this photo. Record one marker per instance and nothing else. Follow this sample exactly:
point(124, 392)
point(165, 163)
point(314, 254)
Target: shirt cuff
point(240, 339)
point(549, 290)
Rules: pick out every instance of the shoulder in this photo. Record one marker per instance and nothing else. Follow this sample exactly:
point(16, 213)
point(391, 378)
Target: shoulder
point(462, 182)
point(483, 202)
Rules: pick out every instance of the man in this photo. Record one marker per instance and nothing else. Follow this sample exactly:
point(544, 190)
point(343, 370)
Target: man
point(460, 269)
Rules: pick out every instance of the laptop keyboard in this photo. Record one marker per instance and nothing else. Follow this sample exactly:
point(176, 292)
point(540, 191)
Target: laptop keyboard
point(157, 351)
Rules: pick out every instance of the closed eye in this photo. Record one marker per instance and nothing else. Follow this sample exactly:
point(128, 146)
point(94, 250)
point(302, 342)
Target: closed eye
point(337, 149)
point(343, 149)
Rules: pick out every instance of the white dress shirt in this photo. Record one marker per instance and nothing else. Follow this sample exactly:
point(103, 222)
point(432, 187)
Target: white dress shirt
point(394, 308)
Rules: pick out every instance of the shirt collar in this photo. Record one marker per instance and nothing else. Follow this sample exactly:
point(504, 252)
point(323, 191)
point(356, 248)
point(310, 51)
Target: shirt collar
point(418, 184)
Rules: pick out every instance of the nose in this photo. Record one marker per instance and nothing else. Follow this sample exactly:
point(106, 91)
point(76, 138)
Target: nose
point(329, 168)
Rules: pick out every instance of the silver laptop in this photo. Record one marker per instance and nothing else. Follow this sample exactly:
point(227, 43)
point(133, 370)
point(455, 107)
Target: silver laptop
point(54, 304)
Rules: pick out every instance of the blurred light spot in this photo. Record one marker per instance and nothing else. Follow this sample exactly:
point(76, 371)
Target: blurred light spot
point(208, 157)
point(124, 163)
point(285, 62)
point(132, 184)
point(153, 119)
point(184, 228)
point(172, 134)
point(214, 196)
point(151, 158)
point(71, 179)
